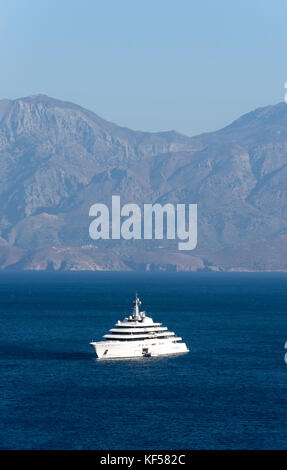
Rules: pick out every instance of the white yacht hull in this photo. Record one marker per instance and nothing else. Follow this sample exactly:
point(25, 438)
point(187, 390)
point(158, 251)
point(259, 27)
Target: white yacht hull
point(131, 349)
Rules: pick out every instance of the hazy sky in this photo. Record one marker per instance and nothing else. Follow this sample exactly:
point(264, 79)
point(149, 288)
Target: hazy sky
point(151, 65)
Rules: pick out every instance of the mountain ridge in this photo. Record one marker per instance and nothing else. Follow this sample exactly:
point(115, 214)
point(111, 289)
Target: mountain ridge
point(57, 159)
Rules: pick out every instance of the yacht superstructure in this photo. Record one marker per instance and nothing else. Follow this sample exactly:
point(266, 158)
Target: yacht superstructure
point(138, 336)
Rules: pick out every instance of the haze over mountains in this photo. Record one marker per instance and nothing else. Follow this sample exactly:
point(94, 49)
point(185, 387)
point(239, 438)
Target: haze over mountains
point(57, 159)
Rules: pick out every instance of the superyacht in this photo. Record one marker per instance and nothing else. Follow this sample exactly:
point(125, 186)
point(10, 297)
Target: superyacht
point(138, 336)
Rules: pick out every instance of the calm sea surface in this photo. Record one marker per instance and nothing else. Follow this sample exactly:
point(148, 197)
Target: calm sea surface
point(229, 392)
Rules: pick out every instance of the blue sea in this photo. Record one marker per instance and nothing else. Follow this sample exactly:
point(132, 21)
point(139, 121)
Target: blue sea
point(229, 392)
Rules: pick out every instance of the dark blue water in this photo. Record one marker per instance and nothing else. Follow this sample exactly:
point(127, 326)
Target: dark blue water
point(229, 392)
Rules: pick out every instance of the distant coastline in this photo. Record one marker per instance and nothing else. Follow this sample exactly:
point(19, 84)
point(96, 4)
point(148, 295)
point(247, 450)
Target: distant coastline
point(66, 158)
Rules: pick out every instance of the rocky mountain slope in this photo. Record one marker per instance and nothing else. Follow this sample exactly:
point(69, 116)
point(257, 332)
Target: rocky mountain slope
point(57, 159)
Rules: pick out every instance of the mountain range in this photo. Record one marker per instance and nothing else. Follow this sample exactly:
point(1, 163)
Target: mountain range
point(57, 159)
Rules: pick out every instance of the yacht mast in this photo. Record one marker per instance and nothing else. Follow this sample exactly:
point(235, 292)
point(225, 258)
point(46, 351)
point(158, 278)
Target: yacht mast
point(136, 310)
